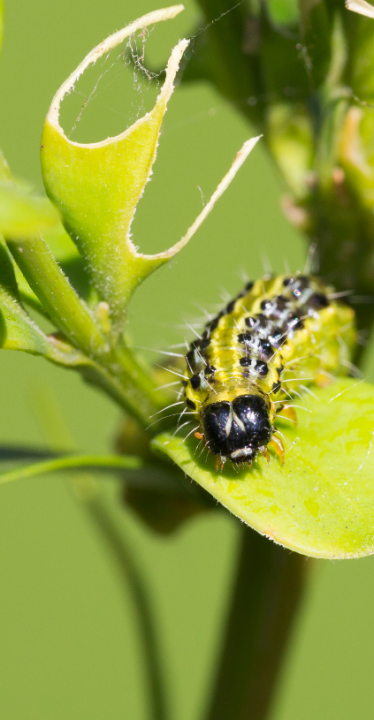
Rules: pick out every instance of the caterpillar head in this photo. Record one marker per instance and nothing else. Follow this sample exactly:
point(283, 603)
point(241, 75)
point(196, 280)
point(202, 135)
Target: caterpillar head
point(237, 429)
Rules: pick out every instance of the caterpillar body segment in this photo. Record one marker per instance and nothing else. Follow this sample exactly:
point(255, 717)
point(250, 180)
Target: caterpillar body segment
point(279, 336)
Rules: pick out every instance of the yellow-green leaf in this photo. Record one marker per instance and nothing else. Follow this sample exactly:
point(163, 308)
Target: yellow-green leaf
point(97, 186)
point(23, 214)
point(321, 501)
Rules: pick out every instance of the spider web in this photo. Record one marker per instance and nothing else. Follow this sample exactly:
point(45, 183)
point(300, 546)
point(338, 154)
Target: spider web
point(111, 95)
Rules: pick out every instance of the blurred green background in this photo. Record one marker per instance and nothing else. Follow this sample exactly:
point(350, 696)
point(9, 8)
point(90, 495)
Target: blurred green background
point(68, 641)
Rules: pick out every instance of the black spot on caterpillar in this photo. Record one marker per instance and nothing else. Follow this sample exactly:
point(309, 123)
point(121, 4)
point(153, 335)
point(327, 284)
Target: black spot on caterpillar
point(277, 337)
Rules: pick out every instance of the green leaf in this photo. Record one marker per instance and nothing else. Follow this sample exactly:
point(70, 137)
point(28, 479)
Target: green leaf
point(97, 186)
point(23, 214)
point(321, 501)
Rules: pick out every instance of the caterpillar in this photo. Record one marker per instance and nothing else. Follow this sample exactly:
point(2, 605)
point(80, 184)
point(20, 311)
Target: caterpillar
point(275, 338)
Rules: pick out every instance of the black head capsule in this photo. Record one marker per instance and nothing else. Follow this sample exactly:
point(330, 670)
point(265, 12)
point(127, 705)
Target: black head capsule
point(237, 430)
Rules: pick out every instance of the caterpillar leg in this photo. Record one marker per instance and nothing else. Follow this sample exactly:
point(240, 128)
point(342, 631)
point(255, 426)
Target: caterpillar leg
point(278, 447)
point(265, 453)
point(323, 379)
point(219, 462)
point(286, 412)
point(289, 413)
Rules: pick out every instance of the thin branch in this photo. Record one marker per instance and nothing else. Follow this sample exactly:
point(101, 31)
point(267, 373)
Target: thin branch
point(72, 462)
point(132, 578)
point(88, 492)
point(268, 588)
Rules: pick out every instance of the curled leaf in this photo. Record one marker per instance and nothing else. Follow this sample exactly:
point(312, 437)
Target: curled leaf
point(321, 501)
point(97, 186)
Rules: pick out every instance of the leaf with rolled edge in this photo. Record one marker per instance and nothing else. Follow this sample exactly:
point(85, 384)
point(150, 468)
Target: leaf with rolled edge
point(321, 501)
point(97, 186)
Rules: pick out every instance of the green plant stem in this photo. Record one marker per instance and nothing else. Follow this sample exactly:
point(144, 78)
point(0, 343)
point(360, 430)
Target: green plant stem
point(140, 374)
point(105, 462)
point(267, 592)
point(57, 295)
point(127, 392)
point(88, 492)
point(116, 370)
point(131, 575)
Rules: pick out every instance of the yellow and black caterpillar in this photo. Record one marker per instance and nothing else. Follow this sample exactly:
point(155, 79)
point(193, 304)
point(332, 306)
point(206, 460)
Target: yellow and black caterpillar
point(276, 338)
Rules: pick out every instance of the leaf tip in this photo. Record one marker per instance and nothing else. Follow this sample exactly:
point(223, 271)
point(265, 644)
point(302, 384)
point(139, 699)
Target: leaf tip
point(105, 47)
point(241, 156)
point(361, 7)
